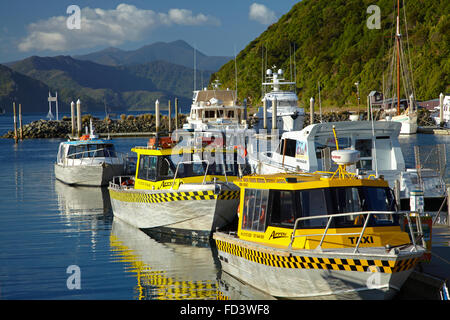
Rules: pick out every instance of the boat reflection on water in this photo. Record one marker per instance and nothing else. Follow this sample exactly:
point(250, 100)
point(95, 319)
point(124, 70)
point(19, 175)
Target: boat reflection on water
point(165, 270)
point(76, 200)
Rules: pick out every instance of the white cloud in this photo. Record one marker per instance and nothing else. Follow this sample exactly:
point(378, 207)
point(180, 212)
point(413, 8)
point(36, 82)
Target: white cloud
point(105, 27)
point(262, 14)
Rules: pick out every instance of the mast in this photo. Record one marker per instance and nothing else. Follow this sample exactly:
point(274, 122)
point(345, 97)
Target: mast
point(398, 57)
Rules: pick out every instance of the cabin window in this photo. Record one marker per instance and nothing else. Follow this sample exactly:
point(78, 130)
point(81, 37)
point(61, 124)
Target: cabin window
point(210, 114)
point(147, 167)
point(230, 114)
point(165, 169)
point(255, 210)
point(358, 199)
point(282, 208)
point(364, 146)
point(312, 203)
point(291, 147)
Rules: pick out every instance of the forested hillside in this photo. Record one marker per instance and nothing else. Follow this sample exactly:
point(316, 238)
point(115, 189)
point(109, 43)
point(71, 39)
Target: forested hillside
point(333, 45)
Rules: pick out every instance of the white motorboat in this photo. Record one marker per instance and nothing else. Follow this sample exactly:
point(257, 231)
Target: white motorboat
point(88, 161)
point(290, 116)
point(215, 109)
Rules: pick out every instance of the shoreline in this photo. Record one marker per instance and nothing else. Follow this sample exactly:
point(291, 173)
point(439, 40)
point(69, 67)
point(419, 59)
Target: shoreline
point(145, 124)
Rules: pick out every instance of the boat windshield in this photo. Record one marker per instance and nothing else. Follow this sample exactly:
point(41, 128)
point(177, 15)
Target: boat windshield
point(285, 206)
point(155, 168)
point(91, 150)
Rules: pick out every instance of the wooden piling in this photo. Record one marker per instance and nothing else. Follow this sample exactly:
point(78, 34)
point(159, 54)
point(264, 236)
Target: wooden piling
point(20, 122)
point(311, 110)
point(79, 118)
point(72, 117)
point(169, 116)
point(176, 113)
point(274, 113)
point(157, 115)
point(15, 122)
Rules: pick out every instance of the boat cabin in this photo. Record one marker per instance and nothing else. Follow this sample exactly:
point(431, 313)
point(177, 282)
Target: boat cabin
point(165, 168)
point(86, 151)
point(273, 206)
point(310, 149)
point(214, 107)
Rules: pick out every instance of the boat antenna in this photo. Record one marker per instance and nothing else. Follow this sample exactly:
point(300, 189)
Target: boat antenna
point(320, 103)
point(290, 60)
point(374, 141)
point(262, 70)
point(106, 118)
point(295, 73)
point(235, 72)
point(195, 66)
point(335, 138)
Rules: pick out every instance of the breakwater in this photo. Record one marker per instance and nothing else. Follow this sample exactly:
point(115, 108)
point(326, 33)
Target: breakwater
point(147, 123)
point(125, 124)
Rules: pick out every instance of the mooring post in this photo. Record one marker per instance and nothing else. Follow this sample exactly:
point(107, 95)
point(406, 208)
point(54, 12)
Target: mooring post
point(274, 113)
point(176, 113)
point(20, 122)
point(72, 117)
point(79, 118)
point(15, 122)
point(441, 110)
point(157, 115)
point(170, 116)
point(265, 114)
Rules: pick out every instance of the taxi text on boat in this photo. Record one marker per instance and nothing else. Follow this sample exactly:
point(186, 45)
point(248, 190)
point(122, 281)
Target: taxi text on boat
point(319, 234)
point(181, 190)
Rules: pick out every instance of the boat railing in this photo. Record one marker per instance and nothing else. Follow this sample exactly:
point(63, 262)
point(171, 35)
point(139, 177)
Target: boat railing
point(190, 162)
point(89, 157)
point(122, 182)
point(330, 218)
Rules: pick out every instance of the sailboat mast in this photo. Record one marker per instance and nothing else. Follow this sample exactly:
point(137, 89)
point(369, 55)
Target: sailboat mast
point(398, 57)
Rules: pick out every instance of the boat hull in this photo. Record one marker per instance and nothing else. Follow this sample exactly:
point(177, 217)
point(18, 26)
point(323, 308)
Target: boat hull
point(88, 175)
point(184, 213)
point(306, 274)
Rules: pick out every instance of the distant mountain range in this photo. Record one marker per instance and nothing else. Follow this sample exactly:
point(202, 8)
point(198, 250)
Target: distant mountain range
point(116, 78)
point(16, 87)
point(176, 52)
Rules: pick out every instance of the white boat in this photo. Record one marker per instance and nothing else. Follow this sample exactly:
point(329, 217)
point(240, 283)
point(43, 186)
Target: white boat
point(215, 109)
point(290, 116)
point(407, 118)
point(88, 161)
point(445, 113)
point(408, 122)
point(309, 150)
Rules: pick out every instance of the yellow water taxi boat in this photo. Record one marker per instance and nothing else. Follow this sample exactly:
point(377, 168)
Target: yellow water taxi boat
point(184, 191)
point(319, 234)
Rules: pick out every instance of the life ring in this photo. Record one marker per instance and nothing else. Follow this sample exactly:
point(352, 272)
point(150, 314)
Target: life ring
point(84, 137)
point(242, 148)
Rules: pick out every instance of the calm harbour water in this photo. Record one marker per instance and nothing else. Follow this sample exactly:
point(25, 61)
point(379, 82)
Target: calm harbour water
point(46, 226)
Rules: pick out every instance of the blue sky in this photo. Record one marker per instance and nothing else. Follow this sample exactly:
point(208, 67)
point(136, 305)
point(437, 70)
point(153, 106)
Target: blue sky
point(214, 27)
